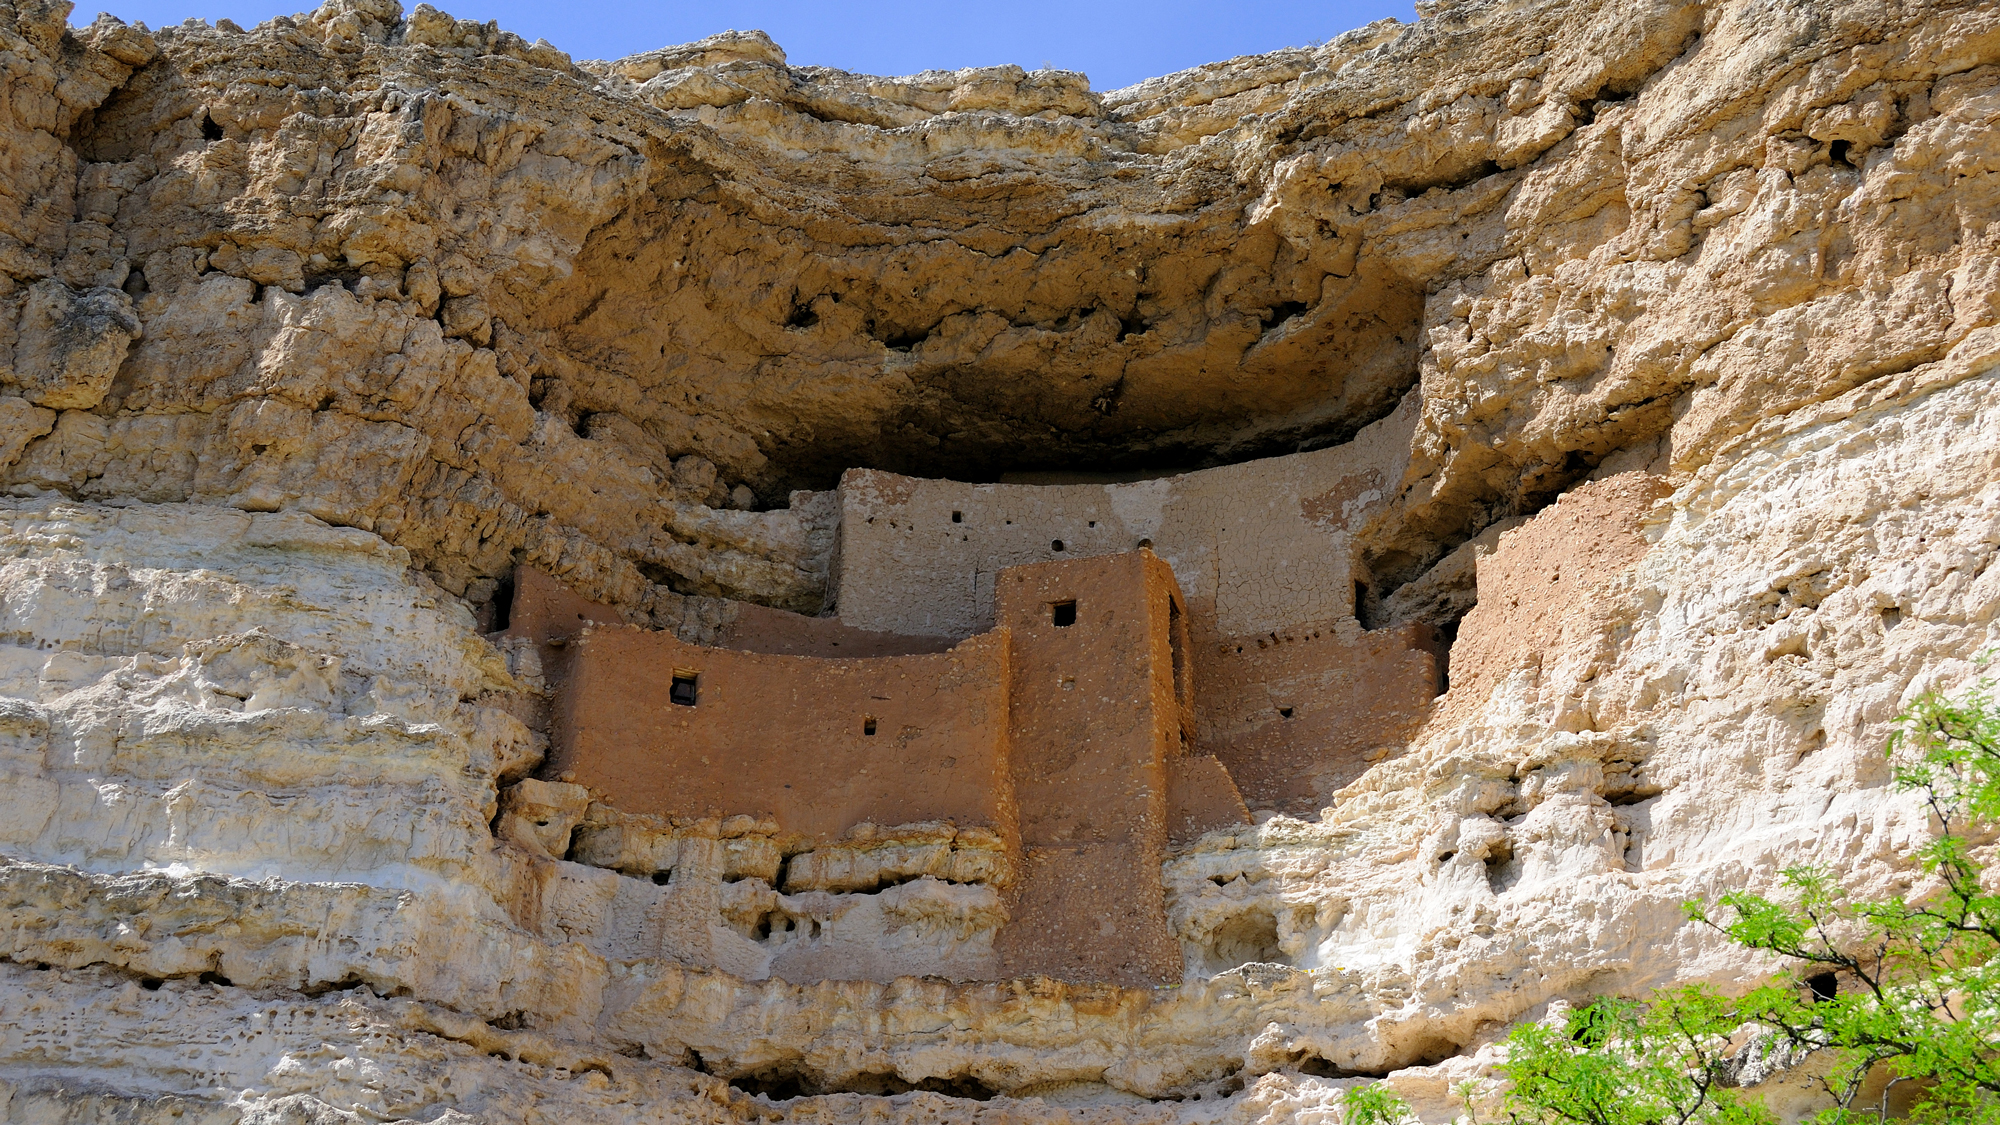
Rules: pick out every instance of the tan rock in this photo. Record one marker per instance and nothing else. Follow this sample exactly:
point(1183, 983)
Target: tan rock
point(1669, 328)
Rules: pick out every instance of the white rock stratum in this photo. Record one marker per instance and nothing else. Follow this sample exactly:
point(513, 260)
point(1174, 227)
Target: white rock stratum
point(309, 334)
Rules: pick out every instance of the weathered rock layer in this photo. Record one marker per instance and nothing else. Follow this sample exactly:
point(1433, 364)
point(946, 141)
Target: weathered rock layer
point(311, 334)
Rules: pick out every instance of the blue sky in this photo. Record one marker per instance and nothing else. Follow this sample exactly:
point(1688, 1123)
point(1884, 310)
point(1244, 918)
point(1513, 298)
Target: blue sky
point(1116, 43)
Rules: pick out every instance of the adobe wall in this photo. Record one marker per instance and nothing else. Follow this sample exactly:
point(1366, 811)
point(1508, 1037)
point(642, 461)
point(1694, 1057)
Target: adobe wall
point(1099, 715)
point(755, 628)
point(1546, 579)
point(785, 736)
point(1074, 742)
point(1295, 715)
point(1257, 546)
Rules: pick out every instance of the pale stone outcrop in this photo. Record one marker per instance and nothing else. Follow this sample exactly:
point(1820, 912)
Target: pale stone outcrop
point(310, 334)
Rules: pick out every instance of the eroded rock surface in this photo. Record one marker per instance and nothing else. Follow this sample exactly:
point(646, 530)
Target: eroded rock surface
point(311, 334)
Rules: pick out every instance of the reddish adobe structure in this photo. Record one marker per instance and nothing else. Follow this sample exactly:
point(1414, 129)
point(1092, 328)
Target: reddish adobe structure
point(1296, 714)
point(1102, 707)
point(819, 744)
point(1068, 729)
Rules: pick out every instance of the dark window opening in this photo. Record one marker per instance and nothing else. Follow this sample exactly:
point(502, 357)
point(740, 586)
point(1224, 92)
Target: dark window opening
point(1056, 545)
point(503, 604)
point(868, 726)
point(1093, 523)
point(1177, 650)
point(1824, 986)
point(1063, 614)
point(684, 689)
point(1445, 635)
point(958, 517)
point(1284, 712)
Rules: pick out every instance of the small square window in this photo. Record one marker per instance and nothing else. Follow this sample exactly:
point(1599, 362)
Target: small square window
point(684, 689)
point(1063, 614)
point(958, 517)
point(868, 726)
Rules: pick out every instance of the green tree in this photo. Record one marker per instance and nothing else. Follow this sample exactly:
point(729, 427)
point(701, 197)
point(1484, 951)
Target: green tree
point(1897, 990)
point(1373, 1104)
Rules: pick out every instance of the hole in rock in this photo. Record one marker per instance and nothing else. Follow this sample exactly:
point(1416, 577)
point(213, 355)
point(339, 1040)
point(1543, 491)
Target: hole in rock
point(151, 984)
point(1838, 153)
point(958, 517)
point(868, 726)
point(1824, 986)
point(210, 131)
point(1283, 312)
point(340, 279)
point(1056, 545)
point(1247, 937)
point(889, 1085)
point(684, 689)
point(1891, 618)
point(1361, 603)
point(1500, 875)
point(213, 977)
point(662, 878)
point(772, 1085)
point(1322, 1068)
point(1284, 712)
point(348, 983)
point(1062, 614)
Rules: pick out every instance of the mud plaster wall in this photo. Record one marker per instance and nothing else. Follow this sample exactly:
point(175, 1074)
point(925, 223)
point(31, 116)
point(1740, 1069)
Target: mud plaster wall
point(1297, 714)
point(1097, 718)
point(1256, 546)
point(1540, 590)
point(785, 736)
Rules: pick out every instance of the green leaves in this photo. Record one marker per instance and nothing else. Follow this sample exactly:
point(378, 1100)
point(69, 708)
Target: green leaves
point(1902, 998)
point(1619, 1062)
point(1373, 1104)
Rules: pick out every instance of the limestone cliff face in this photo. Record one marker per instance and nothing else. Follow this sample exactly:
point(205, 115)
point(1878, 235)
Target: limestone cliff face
point(310, 334)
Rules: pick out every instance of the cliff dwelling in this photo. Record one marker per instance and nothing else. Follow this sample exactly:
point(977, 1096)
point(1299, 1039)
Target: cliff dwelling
point(1016, 669)
point(697, 588)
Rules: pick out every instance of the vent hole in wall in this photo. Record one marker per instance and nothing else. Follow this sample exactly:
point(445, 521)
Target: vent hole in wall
point(685, 689)
point(1062, 614)
point(958, 517)
point(868, 726)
